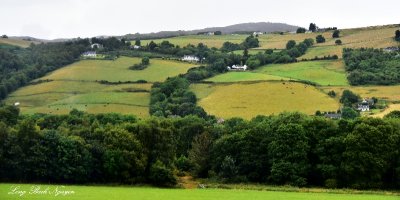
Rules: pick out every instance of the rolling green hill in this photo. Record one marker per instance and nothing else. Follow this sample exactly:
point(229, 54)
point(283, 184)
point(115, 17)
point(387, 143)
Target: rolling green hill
point(77, 86)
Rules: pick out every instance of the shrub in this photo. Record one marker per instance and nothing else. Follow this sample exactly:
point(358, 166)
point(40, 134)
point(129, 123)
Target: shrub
point(320, 39)
point(161, 175)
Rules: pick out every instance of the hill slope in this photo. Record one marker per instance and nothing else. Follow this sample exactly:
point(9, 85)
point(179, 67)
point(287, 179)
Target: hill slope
point(243, 27)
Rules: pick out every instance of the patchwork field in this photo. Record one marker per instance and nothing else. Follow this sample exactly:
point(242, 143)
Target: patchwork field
point(320, 72)
point(266, 98)
point(75, 86)
point(148, 193)
point(376, 37)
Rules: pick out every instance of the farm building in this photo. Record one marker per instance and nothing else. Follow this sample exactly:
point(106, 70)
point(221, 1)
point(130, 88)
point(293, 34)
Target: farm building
point(333, 115)
point(258, 33)
point(237, 68)
point(391, 49)
point(365, 105)
point(190, 58)
point(136, 47)
point(89, 54)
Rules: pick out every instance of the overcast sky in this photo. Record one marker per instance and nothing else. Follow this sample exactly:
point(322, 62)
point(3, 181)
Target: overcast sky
point(50, 19)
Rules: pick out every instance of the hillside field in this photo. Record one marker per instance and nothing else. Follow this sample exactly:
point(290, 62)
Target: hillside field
point(320, 72)
point(114, 71)
point(75, 86)
point(248, 100)
point(147, 193)
point(376, 37)
point(16, 42)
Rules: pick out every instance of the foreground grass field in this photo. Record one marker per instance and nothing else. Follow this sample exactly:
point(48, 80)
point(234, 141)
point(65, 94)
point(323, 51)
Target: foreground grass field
point(147, 193)
point(248, 100)
point(320, 72)
point(75, 87)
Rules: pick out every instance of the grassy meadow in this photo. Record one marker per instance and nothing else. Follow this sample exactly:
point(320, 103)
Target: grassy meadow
point(248, 100)
point(320, 72)
point(75, 86)
point(149, 193)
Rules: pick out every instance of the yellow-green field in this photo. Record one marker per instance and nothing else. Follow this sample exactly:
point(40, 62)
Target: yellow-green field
point(392, 107)
point(320, 72)
point(209, 40)
point(266, 98)
point(74, 86)
point(389, 93)
point(118, 70)
point(16, 42)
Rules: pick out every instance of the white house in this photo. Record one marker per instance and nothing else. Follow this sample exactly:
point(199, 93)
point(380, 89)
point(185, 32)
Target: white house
point(17, 104)
point(89, 54)
point(237, 68)
point(190, 58)
point(96, 45)
point(258, 33)
point(363, 106)
point(136, 47)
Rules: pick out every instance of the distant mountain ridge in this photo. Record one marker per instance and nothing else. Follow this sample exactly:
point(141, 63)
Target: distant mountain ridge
point(236, 28)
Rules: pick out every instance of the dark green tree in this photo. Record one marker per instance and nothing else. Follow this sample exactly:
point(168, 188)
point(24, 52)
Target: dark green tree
point(397, 35)
point(288, 150)
point(290, 44)
point(320, 39)
point(349, 113)
point(338, 42)
point(301, 30)
point(349, 96)
point(336, 34)
point(137, 42)
point(312, 27)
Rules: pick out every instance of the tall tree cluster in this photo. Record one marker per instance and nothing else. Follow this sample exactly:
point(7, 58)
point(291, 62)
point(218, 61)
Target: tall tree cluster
point(290, 148)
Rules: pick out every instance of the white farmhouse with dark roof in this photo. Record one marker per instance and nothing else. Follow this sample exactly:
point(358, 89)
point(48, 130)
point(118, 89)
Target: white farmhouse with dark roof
point(190, 58)
point(237, 68)
point(89, 54)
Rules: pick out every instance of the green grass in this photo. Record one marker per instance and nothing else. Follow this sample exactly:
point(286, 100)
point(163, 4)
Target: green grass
point(321, 51)
point(320, 72)
point(243, 76)
point(74, 86)
point(148, 193)
point(248, 100)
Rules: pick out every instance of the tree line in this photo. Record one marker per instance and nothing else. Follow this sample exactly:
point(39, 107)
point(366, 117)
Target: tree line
point(367, 66)
point(289, 148)
point(18, 66)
